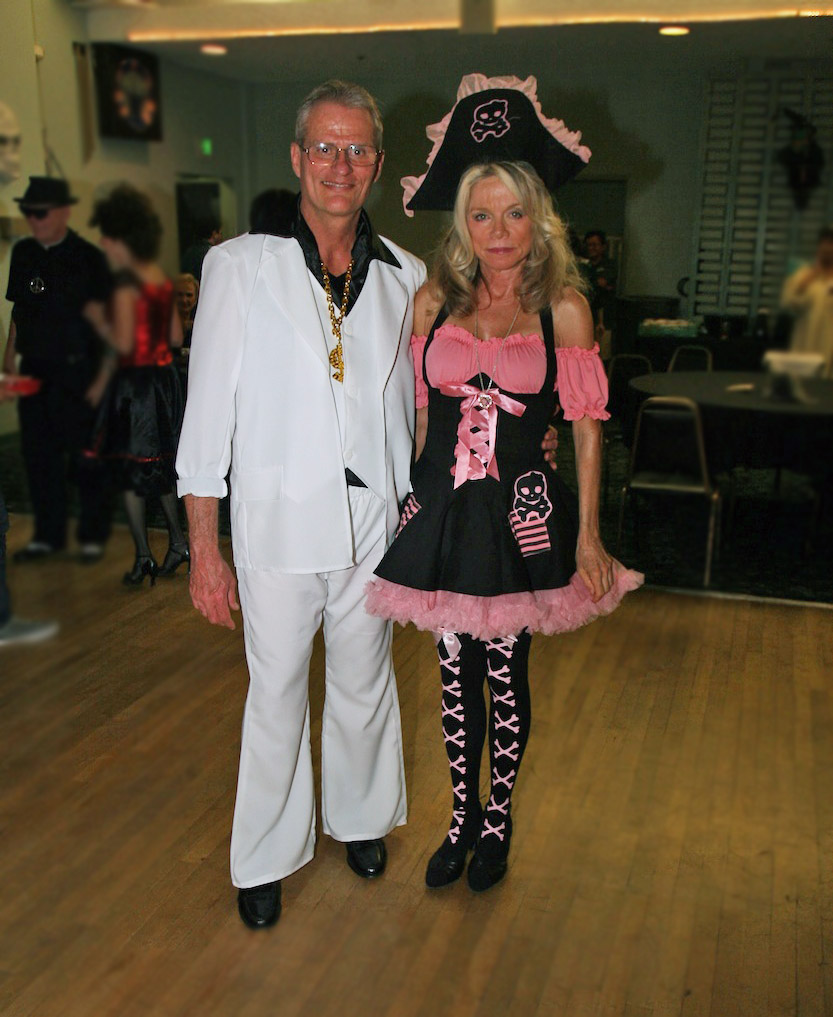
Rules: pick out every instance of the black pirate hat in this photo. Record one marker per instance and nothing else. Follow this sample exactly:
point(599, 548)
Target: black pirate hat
point(493, 120)
point(46, 192)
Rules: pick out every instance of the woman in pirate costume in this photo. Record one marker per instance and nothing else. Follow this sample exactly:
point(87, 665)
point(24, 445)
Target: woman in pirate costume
point(492, 546)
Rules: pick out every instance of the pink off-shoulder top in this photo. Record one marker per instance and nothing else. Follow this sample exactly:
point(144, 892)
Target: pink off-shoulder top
point(516, 364)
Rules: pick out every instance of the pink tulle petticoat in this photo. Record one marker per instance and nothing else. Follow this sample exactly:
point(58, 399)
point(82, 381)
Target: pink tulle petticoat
point(547, 611)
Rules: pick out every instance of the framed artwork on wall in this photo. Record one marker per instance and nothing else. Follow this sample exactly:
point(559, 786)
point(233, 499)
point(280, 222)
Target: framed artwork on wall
point(127, 93)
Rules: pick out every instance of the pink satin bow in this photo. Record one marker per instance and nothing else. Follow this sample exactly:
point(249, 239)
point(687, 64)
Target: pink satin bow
point(475, 449)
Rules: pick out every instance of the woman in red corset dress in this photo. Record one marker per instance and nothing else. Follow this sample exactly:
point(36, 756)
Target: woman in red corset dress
point(492, 545)
point(140, 417)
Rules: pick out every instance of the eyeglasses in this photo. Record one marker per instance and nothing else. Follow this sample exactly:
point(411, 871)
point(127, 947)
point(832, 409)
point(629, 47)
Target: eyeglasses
point(35, 213)
point(326, 154)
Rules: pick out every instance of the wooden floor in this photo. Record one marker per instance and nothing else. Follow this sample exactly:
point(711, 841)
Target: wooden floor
point(673, 824)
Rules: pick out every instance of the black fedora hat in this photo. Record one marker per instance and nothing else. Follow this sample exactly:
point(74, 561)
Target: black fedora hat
point(46, 192)
point(493, 120)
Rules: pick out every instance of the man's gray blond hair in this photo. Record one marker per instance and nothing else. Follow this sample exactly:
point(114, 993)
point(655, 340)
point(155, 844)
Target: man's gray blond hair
point(344, 93)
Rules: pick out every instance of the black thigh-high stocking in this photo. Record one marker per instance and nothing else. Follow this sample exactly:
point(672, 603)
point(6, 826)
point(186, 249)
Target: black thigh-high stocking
point(507, 672)
point(134, 505)
point(170, 507)
point(462, 669)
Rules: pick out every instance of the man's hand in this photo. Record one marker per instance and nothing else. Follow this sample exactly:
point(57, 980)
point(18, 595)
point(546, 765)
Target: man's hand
point(213, 587)
point(550, 446)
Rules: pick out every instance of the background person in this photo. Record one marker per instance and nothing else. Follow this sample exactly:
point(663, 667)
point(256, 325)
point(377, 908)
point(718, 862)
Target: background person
point(58, 283)
point(808, 294)
point(186, 295)
point(208, 234)
point(138, 426)
point(603, 275)
point(272, 211)
point(14, 630)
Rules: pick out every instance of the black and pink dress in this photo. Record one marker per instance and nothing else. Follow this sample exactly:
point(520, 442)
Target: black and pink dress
point(487, 540)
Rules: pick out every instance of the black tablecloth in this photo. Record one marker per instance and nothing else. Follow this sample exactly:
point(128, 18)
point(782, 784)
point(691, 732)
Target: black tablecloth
point(743, 425)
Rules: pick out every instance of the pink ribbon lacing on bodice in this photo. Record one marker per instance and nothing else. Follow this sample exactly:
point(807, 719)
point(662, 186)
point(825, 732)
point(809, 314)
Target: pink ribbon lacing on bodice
point(476, 432)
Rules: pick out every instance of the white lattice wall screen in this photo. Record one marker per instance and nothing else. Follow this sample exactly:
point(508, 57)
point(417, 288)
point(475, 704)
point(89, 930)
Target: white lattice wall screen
point(749, 225)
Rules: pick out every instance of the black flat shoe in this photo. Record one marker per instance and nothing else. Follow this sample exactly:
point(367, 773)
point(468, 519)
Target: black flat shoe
point(367, 858)
point(484, 872)
point(173, 559)
point(447, 863)
point(260, 906)
point(443, 869)
point(141, 567)
point(488, 865)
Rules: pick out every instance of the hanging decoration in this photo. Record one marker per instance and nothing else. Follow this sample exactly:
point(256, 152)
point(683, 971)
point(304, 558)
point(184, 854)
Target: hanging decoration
point(802, 158)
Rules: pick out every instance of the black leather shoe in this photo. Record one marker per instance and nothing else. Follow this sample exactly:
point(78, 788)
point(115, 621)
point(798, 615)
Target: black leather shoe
point(367, 858)
point(260, 906)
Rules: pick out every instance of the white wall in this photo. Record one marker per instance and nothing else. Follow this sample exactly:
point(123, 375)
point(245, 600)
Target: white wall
point(47, 97)
point(642, 125)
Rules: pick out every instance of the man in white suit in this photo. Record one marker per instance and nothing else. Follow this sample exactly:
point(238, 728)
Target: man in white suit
point(301, 380)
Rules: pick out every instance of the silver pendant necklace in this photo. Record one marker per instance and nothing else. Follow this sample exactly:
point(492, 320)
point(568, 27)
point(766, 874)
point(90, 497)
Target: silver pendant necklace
point(484, 399)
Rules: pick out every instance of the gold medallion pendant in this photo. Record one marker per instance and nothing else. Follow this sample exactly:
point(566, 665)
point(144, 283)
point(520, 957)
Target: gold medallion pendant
point(336, 357)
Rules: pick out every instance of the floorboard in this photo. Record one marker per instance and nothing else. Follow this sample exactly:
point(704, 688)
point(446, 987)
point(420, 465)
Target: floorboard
point(673, 823)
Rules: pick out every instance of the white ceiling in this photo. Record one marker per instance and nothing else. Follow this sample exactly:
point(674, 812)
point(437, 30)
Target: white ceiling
point(374, 55)
point(142, 21)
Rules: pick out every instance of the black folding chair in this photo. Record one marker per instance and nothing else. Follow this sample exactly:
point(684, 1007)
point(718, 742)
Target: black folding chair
point(620, 404)
point(691, 358)
point(669, 457)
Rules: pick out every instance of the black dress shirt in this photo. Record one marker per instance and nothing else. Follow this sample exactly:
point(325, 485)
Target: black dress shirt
point(366, 247)
point(50, 287)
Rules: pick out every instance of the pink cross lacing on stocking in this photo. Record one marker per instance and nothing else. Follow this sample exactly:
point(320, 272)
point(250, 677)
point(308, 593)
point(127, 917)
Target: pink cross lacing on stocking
point(513, 723)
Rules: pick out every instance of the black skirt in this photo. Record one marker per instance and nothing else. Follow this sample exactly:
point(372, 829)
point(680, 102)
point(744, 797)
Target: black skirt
point(138, 426)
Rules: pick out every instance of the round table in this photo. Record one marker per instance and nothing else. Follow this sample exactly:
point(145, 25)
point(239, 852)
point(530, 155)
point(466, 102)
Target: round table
point(743, 424)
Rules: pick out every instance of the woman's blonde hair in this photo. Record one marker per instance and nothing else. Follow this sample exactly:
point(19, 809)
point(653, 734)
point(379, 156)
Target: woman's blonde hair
point(551, 265)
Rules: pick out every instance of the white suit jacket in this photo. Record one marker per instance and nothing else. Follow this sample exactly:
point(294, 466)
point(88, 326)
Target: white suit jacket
point(260, 399)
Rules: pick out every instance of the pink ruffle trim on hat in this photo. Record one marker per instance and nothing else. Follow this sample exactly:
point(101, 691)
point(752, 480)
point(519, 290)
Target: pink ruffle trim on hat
point(547, 611)
point(473, 83)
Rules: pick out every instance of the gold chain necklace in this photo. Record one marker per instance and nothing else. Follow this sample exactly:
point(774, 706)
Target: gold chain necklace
point(484, 399)
point(337, 354)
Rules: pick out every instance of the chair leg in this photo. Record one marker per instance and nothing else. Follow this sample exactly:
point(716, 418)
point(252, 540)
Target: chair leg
point(813, 525)
point(718, 531)
point(605, 468)
point(622, 499)
point(713, 510)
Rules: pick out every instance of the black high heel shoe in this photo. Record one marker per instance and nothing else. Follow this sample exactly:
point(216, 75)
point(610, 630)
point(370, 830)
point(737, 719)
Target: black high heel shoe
point(448, 861)
point(488, 865)
point(173, 559)
point(142, 567)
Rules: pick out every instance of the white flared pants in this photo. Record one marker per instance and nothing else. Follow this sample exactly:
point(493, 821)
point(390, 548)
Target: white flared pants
point(362, 770)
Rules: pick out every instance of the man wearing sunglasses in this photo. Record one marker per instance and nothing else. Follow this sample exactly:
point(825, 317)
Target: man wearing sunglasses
point(57, 280)
point(301, 379)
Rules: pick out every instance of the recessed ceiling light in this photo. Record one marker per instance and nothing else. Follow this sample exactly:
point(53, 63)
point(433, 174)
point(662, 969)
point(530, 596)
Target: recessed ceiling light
point(213, 49)
point(674, 30)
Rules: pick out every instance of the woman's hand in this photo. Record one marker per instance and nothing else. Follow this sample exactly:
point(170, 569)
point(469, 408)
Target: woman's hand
point(594, 566)
point(95, 392)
